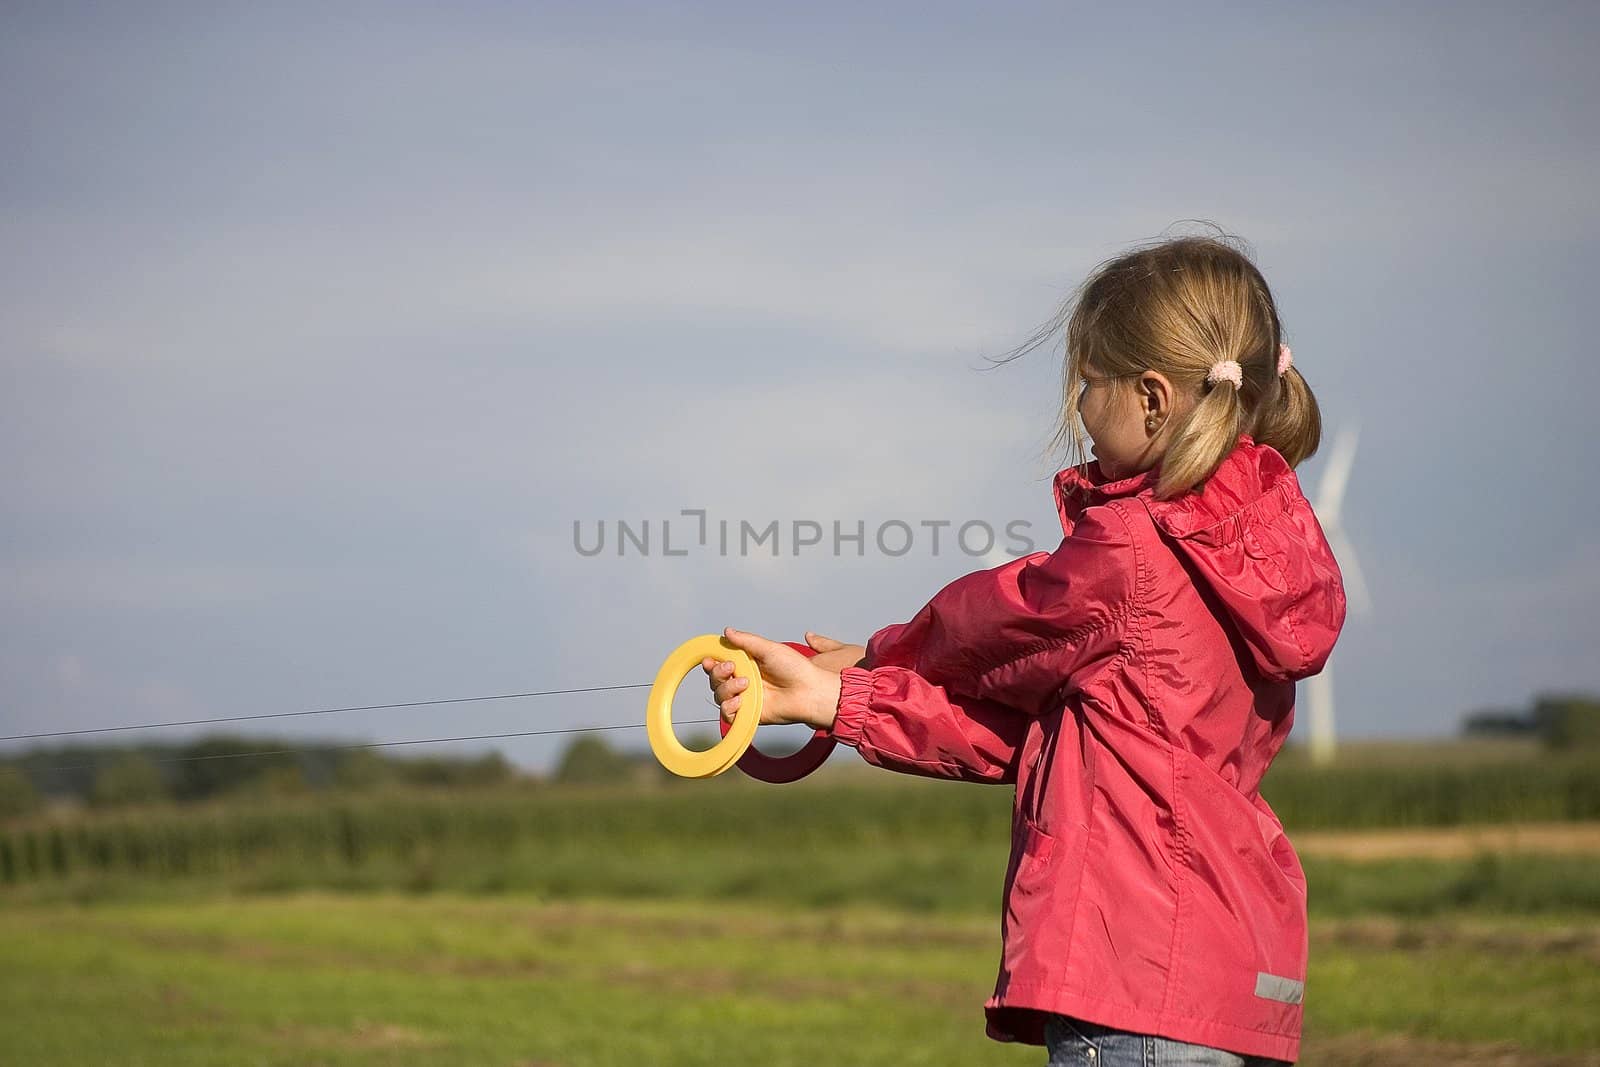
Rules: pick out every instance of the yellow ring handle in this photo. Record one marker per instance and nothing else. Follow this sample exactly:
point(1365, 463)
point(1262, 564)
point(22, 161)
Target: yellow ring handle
point(686, 763)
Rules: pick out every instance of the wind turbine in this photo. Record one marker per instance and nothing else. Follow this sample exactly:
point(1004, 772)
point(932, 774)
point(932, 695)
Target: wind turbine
point(1330, 499)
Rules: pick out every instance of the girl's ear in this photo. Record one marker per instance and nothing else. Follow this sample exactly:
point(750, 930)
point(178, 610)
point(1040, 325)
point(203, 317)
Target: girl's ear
point(1155, 395)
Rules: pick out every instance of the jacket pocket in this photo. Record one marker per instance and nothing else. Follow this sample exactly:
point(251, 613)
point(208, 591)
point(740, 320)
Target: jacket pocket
point(1037, 919)
point(1033, 868)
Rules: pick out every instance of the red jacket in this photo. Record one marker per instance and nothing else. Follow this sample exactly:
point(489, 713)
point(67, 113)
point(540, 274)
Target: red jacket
point(1134, 684)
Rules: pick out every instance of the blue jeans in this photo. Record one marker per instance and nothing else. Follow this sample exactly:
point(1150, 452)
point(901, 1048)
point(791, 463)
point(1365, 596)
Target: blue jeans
point(1079, 1043)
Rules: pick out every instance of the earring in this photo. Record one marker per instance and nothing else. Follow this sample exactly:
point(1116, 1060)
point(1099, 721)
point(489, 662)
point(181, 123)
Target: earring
point(1151, 423)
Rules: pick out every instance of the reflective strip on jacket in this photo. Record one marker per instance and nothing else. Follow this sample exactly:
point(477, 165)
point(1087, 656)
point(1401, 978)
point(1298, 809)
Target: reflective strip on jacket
point(1133, 685)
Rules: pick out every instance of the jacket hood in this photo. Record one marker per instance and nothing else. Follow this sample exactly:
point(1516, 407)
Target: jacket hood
point(1248, 536)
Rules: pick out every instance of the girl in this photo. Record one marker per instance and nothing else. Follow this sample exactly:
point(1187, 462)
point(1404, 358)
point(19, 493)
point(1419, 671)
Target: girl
point(1133, 685)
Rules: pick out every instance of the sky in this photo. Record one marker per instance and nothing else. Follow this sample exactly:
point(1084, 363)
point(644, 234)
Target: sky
point(330, 333)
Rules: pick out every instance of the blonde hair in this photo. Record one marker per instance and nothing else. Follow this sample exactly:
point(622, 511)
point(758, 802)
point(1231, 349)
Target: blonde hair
point(1177, 307)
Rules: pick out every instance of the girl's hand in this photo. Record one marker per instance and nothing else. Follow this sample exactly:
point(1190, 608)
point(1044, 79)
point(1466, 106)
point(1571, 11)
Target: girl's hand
point(834, 655)
point(796, 690)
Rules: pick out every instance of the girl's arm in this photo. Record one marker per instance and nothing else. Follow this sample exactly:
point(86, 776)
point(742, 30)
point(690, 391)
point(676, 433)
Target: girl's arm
point(892, 716)
point(899, 721)
point(949, 693)
point(1016, 634)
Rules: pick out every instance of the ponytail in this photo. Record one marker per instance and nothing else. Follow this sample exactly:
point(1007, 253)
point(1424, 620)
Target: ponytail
point(1204, 439)
point(1283, 415)
point(1291, 422)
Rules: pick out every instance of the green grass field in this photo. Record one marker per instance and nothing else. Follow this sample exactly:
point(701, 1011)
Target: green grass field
point(512, 980)
point(848, 919)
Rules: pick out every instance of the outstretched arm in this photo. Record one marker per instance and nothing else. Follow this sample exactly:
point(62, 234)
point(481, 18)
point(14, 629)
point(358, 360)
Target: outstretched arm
point(892, 716)
point(950, 693)
point(898, 720)
point(1020, 634)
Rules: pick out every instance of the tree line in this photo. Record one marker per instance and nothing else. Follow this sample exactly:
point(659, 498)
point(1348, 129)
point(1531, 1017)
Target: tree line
point(1562, 721)
point(109, 776)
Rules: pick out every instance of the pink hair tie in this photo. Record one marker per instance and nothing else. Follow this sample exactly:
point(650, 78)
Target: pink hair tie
point(1226, 370)
point(1285, 359)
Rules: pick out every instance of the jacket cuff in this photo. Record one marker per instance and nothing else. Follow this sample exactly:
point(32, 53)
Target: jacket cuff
point(855, 698)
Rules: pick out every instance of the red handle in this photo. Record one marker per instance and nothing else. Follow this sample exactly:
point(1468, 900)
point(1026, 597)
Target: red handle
point(780, 770)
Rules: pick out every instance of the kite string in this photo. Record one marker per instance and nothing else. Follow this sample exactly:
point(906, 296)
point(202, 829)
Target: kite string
point(371, 744)
point(341, 710)
point(317, 711)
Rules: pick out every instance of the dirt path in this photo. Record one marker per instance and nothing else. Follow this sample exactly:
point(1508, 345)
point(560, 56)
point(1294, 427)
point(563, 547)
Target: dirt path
point(1453, 842)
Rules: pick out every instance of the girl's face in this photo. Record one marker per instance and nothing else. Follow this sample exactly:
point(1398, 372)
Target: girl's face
point(1118, 411)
